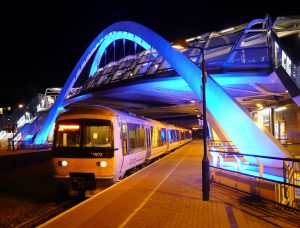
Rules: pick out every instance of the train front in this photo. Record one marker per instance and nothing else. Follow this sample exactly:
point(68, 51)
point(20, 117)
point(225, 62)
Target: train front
point(83, 154)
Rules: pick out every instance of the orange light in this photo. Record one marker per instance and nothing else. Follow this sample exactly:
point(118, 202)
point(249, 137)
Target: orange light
point(178, 47)
point(68, 127)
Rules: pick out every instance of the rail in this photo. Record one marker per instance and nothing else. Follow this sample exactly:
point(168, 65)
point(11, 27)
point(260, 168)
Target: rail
point(26, 145)
point(286, 177)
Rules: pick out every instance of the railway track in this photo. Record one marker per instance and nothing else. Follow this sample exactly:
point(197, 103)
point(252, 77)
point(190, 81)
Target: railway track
point(49, 214)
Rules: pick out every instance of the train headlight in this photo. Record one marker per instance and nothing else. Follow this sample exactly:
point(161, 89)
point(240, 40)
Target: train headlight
point(103, 164)
point(62, 163)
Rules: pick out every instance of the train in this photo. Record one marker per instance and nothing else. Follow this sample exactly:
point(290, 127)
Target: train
point(94, 144)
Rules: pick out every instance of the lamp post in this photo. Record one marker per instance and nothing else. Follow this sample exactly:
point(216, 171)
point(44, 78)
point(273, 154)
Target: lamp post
point(13, 125)
point(13, 130)
point(205, 161)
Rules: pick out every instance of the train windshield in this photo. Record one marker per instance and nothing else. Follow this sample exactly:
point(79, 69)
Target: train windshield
point(97, 133)
point(84, 133)
point(68, 135)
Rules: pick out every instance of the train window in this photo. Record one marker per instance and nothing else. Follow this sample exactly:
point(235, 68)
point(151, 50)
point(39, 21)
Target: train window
point(136, 134)
point(98, 134)
point(141, 133)
point(177, 135)
point(182, 135)
point(158, 136)
point(187, 135)
point(170, 135)
point(163, 135)
point(68, 135)
point(155, 137)
point(174, 136)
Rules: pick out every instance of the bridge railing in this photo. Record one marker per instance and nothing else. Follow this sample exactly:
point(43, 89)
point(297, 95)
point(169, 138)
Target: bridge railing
point(286, 178)
point(251, 51)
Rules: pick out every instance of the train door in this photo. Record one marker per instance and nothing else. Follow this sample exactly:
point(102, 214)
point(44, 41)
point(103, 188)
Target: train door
point(148, 140)
point(125, 149)
point(168, 138)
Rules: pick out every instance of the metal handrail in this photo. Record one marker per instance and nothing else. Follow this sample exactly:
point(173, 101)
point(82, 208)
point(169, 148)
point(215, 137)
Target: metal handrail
point(286, 181)
point(24, 145)
point(259, 156)
point(261, 176)
point(258, 177)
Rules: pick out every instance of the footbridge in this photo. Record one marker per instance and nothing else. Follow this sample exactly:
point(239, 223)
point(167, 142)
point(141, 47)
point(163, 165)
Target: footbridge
point(246, 64)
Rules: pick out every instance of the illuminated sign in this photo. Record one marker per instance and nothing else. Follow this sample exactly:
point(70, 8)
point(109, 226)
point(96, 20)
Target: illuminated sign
point(68, 127)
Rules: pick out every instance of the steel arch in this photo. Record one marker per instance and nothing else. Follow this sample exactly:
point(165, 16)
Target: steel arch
point(110, 38)
point(239, 126)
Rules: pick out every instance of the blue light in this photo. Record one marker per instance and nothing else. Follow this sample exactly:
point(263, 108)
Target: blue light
point(248, 171)
point(163, 136)
point(248, 137)
point(28, 137)
point(110, 38)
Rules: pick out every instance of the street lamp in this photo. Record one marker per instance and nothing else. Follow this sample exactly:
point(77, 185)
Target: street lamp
point(205, 161)
point(13, 125)
point(13, 130)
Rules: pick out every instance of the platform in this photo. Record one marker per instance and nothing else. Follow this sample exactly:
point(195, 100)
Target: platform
point(6, 152)
point(10, 159)
point(168, 194)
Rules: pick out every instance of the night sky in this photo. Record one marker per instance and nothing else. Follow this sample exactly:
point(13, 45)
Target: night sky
point(41, 41)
